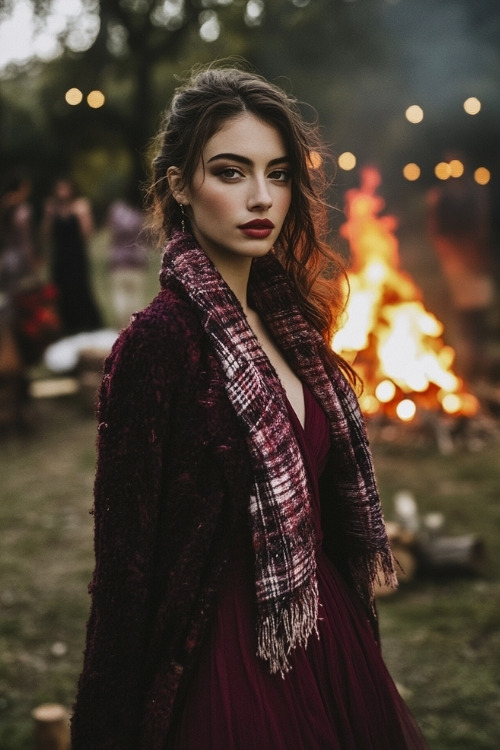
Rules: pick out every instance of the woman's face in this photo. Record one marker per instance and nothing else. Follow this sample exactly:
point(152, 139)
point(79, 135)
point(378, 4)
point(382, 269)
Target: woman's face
point(63, 190)
point(241, 191)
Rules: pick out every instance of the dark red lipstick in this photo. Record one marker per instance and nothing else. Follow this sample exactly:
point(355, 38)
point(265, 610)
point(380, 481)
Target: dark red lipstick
point(257, 228)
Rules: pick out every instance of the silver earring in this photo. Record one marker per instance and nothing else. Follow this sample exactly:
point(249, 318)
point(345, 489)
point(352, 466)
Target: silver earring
point(183, 217)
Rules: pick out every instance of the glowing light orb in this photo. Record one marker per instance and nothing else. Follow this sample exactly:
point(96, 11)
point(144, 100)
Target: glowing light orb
point(442, 170)
point(456, 168)
point(451, 403)
point(414, 114)
point(347, 161)
point(406, 410)
point(472, 105)
point(411, 172)
point(482, 176)
point(73, 96)
point(96, 99)
point(385, 391)
point(315, 160)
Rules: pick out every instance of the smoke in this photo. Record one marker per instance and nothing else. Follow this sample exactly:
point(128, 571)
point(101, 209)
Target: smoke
point(448, 48)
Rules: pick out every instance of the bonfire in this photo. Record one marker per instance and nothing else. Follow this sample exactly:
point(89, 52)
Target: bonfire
point(394, 343)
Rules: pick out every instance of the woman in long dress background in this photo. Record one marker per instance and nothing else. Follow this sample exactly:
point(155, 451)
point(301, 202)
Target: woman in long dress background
point(67, 226)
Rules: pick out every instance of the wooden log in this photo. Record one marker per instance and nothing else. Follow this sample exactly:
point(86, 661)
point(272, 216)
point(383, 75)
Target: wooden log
point(52, 730)
point(464, 553)
point(53, 387)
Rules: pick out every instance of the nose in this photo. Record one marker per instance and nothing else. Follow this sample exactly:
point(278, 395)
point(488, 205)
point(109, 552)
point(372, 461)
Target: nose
point(259, 197)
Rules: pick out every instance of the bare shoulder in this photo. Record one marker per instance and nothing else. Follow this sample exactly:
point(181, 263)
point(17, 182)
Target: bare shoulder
point(82, 207)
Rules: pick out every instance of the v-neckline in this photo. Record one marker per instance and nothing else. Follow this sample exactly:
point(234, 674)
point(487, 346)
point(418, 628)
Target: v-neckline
point(289, 404)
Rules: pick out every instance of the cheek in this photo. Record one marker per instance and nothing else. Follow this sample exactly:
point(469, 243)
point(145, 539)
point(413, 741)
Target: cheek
point(214, 203)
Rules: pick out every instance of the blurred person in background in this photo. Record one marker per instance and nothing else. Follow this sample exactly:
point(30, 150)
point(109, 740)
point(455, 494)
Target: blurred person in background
point(459, 225)
point(128, 259)
point(17, 264)
point(67, 225)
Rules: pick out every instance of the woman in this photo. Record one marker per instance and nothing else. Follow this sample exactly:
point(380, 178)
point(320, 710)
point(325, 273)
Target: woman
point(67, 225)
point(17, 267)
point(128, 259)
point(238, 530)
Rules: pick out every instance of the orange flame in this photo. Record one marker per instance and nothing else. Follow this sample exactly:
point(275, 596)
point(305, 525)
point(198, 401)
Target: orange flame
point(391, 340)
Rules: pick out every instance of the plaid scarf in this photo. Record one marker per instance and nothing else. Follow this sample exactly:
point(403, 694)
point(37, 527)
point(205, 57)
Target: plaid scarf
point(280, 503)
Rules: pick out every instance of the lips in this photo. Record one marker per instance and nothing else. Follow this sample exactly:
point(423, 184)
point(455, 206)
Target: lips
point(258, 224)
point(257, 228)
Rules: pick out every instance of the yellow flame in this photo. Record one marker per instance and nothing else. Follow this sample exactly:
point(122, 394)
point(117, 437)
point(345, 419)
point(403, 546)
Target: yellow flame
point(369, 404)
point(451, 403)
point(390, 338)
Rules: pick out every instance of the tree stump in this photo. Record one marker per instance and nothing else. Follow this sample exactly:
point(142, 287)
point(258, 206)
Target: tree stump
point(51, 727)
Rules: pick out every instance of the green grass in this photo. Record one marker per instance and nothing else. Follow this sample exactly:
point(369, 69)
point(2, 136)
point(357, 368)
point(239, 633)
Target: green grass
point(441, 637)
point(46, 559)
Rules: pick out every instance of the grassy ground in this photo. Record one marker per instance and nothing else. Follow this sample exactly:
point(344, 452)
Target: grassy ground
point(45, 558)
point(441, 636)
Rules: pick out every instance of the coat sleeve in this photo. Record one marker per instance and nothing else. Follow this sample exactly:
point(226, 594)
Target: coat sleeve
point(133, 415)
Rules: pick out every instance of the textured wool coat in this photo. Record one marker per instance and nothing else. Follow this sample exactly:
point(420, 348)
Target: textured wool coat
point(172, 485)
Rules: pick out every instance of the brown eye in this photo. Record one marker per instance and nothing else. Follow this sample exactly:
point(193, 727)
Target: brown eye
point(229, 173)
point(280, 175)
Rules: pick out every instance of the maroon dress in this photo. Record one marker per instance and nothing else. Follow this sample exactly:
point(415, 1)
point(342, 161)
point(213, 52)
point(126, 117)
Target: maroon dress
point(338, 695)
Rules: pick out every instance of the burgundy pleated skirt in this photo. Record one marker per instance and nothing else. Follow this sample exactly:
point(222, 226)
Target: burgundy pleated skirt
point(338, 694)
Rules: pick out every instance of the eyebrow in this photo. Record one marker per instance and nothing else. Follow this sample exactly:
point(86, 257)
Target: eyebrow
point(245, 160)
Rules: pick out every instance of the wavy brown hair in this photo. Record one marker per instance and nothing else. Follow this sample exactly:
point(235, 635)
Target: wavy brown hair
point(199, 108)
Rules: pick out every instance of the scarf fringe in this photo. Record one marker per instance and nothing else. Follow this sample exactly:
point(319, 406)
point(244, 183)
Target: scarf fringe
point(280, 633)
point(379, 568)
point(385, 570)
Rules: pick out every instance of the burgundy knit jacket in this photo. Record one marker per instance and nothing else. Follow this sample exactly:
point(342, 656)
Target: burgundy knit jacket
point(172, 484)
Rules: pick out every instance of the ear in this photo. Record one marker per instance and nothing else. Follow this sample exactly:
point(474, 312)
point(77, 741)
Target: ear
point(176, 183)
